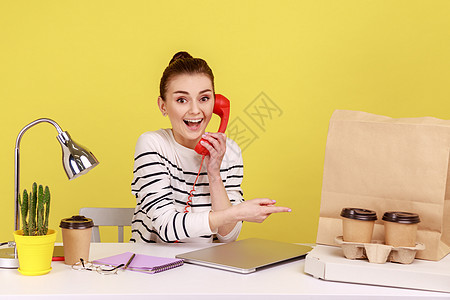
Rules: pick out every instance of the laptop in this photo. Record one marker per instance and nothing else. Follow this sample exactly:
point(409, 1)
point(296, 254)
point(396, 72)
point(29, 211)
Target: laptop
point(245, 256)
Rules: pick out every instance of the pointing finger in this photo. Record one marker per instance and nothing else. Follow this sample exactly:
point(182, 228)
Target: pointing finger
point(277, 209)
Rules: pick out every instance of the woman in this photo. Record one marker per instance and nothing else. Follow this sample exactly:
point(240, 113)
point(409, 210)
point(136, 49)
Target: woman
point(182, 196)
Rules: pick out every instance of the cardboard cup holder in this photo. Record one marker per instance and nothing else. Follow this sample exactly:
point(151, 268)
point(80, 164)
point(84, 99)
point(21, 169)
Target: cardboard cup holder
point(377, 252)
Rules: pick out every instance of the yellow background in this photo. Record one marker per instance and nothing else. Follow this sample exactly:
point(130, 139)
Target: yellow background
point(94, 67)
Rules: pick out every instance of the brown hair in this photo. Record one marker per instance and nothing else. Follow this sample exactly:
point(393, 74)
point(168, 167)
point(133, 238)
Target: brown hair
point(183, 63)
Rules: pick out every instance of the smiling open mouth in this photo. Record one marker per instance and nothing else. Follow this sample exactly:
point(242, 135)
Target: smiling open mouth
point(193, 123)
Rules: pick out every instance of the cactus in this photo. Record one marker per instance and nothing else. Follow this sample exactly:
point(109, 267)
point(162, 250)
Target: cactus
point(47, 208)
point(37, 207)
point(40, 212)
point(24, 211)
point(33, 208)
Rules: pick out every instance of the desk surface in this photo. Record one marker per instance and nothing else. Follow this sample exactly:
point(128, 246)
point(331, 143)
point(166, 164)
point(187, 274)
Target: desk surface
point(287, 281)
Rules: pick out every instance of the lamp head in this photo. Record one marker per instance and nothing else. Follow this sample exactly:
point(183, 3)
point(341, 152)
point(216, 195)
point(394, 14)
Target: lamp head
point(77, 160)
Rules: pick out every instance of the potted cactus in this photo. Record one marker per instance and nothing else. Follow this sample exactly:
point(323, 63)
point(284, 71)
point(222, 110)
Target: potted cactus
point(35, 241)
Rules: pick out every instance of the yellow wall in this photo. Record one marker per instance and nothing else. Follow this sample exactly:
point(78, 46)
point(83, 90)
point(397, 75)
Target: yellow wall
point(94, 67)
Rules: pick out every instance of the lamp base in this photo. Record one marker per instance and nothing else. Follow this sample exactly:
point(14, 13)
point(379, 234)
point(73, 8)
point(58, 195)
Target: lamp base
point(8, 258)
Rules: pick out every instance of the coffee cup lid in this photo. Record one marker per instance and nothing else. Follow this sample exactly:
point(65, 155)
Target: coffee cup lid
point(401, 217)
point(359, 214)
point(76, 222)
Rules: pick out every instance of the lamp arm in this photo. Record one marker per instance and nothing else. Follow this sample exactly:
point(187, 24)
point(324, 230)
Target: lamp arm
point(17, 164)
point(21, 133)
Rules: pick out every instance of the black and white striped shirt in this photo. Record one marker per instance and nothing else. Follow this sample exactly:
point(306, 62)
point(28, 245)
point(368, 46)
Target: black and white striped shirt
point(164, 174)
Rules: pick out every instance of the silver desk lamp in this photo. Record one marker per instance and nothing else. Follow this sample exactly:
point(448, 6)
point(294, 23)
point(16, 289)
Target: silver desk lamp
point(77, 161)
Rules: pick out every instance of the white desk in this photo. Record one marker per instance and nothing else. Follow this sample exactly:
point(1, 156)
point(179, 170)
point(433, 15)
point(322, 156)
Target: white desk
point(287, 281)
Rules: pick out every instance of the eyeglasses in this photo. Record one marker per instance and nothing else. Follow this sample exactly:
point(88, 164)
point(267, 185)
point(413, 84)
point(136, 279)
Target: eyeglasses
point(101, 269)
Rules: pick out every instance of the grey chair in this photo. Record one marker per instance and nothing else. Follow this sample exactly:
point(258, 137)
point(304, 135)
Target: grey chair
point(108, 216)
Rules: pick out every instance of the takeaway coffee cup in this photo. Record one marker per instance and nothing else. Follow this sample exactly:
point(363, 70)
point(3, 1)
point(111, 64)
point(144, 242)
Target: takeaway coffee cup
point(357, 224)
point(400, 228)
point(76, 233)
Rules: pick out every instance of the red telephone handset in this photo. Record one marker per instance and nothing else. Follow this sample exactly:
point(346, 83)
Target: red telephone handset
point(222, 109)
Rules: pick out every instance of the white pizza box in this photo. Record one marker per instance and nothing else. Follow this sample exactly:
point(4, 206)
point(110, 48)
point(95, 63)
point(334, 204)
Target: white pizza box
point(329, 263)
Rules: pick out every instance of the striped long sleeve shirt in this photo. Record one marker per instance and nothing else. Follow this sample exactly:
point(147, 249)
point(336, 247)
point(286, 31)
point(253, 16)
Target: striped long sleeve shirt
point(164, 174)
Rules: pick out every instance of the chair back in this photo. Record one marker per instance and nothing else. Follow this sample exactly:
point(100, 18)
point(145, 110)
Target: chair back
point(108, 216)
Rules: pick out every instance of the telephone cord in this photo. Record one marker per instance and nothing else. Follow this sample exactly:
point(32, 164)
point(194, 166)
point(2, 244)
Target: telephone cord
point(188, 203)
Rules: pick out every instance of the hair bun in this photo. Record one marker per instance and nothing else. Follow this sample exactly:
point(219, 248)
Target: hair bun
point(179, 55)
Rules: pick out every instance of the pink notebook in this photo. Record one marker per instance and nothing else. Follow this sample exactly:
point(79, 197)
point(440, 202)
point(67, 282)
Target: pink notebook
point(141, 262)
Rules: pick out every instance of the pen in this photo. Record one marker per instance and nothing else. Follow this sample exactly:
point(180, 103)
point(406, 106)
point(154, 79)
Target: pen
point(129, 261)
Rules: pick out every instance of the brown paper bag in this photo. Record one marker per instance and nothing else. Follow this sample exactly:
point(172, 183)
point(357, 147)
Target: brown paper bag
point(386, 164)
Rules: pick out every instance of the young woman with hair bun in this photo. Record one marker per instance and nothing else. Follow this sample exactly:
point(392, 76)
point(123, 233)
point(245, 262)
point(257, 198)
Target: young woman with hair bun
point(182, 196)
